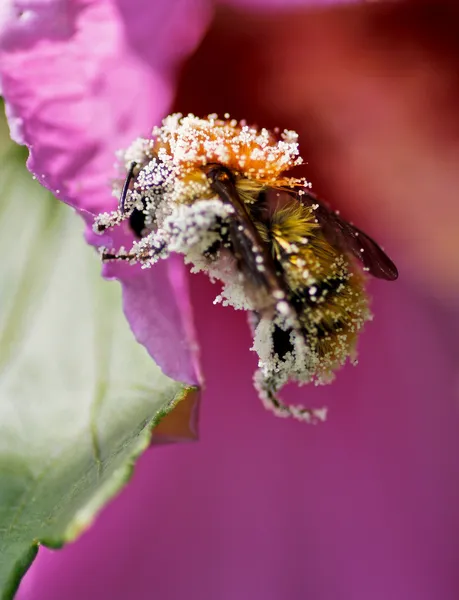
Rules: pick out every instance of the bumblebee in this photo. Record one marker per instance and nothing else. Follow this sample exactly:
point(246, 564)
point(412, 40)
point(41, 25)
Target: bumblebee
point(216, 191)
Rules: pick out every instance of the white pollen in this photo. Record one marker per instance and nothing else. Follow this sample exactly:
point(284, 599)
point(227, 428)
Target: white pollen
point(283, 307)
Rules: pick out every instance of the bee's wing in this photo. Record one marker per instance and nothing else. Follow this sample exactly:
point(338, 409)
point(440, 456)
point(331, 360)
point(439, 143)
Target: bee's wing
point(253, 257)
point(250, 256)
point(349, 238)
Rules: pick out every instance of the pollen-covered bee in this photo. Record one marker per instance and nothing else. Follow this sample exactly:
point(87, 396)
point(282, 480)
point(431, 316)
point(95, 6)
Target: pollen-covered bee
point(215, 191)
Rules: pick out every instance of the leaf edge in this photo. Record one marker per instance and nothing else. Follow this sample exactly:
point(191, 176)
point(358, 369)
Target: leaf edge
point(115, 484)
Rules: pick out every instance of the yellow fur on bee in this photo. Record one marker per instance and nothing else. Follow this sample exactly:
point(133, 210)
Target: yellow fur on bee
point(309, 262)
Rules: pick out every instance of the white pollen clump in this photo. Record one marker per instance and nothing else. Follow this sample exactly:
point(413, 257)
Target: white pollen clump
point(289, 136)
point(283, 307)
point(137, 152)
point(191, 228)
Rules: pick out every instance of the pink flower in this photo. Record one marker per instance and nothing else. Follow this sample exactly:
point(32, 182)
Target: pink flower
point(364, 506)
point(80, 82)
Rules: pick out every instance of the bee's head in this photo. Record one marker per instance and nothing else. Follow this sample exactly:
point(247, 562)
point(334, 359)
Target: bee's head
point(185, 157)
point(218, 172)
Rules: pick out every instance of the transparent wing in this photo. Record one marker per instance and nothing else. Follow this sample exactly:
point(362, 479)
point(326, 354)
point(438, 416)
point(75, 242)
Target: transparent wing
point(351, 239)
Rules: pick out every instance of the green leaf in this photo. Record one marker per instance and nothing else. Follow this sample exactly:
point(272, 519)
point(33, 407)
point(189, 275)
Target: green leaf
point(78, 395)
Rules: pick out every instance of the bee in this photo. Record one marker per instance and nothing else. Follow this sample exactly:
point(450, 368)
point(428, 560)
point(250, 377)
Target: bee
point(216, 192)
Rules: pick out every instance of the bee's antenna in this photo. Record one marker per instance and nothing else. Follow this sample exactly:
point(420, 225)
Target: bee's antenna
point(127, 181)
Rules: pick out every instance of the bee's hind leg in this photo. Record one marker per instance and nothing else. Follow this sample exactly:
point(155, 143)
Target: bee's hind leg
point(267, 391)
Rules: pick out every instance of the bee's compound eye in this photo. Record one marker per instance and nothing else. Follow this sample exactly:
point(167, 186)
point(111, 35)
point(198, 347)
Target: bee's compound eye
point(216, 172)
point(223, 176)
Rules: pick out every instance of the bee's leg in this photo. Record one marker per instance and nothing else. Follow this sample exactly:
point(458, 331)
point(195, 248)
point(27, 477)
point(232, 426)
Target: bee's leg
point(108, 256)
point(147, 252)
point(268, 394)
point(108, 220)
point(122, 255)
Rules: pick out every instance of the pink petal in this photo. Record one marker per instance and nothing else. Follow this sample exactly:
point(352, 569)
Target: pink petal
point(77, 90)
point(77, 94)
point(163, 326)
point(363, 506)
point(82, 79)
point(267, 5)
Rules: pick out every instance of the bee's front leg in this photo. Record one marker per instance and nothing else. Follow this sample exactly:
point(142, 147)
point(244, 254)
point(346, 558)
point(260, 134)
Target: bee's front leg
point(146, 252)
point(108, 220)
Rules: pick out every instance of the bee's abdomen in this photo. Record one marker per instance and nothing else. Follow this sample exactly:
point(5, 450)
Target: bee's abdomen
point(324, 287)
point(331, 312)
point(322, 291)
